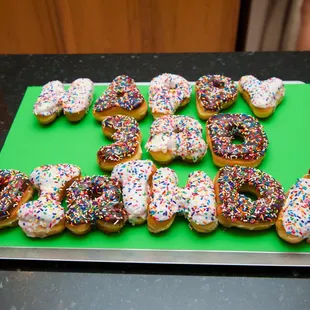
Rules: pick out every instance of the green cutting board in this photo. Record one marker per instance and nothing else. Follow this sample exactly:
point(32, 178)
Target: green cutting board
point(29, 145)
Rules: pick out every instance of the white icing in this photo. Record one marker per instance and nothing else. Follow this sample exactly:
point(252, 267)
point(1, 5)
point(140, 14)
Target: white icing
point(198, 203)
point(166, 93)
point(134, 176)
point(181, 135)
point(196, 200)
point(296, 215)
point(49, 101)
point(164, 203)
point(79, 96)
point(263, 94)
point(50, 179)
point(36, 218)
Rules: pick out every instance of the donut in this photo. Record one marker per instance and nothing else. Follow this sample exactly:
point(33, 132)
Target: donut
point(293, 224)
point(125, 132)
point(95, 200)
point(121, 97)
point(48, 105)
point(235, 209)
point(77, 99)
point(54, 179)
point(135, 178)
point(42, 217)
point(213, 94)
point(15, 190)
point(45, 216)
point(167, 93)
point(222, 129)
point(196, 201)
point(176, 136)
point(262, 96)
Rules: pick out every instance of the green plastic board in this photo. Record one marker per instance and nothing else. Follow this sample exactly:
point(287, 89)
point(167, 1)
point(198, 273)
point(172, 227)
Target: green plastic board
point(29, 145)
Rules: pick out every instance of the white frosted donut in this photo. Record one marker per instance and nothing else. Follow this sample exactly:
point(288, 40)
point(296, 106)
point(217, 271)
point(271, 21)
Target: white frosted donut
point(176, 136)
point(164, 202)
point(134, 177)
point(79, 96)
point(296, 210)
point(167, 93)
point(39, 218)
point(49, 101)
point(263, 94)
point(196, 201)
point(45, 216)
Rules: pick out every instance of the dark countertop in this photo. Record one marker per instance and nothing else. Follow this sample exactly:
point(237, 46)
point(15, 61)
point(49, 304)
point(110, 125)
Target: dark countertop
point(52, 285)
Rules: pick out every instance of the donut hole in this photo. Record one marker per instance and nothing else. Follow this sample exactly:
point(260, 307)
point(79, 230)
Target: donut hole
point(94, 192)
point(177, 130)
point(237, 139)
point(250, 195)
point(218, 83)
point(172, 86)
point(249, 192)
point(120, 93)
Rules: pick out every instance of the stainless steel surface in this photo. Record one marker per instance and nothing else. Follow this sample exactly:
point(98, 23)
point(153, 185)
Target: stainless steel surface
point(158, 256)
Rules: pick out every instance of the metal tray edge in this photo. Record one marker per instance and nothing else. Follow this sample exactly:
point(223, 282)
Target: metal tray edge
point(237, 258)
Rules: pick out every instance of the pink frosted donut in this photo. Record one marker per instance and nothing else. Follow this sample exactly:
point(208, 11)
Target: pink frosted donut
point(167, 93)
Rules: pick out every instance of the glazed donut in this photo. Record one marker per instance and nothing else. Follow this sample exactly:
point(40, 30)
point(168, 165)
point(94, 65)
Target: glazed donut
point(213, 94)
point(15, 190)
point(125, 131)
point(77, 99)
point(196, 201)
point(167, 93)
point(45, 217)
point(176, 136)
point(262, 96)
point(222, 129)
point(234, 209)
point(293, 224)
point(48, 105)
point(121, 97)
point(95, 200)
point(135, 178)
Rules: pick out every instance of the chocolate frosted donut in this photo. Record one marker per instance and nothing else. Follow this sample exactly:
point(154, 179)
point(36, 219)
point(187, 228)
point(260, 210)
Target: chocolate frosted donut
point(214, 93)
point(222, 129)
point(95, 200)
point(121, 97)
point(124, 130)
point(15, 189)
point(236, 209)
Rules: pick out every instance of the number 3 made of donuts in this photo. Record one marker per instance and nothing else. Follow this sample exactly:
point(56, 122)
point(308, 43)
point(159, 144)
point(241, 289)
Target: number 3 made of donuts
point(125, 132)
